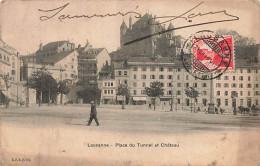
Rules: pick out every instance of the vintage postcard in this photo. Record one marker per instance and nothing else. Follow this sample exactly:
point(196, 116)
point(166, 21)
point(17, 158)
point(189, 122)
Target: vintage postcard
point(129, 83)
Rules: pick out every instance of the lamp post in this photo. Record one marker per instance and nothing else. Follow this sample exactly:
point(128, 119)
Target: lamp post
point(61, 70)
point(171, 95)
point(17, 77)
point(211, 108)
point(176, 102)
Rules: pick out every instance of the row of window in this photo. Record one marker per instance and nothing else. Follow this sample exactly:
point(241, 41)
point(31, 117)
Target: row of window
point(72, 67)
point(71, 75)
point(120, 73)
point(6, 58)
point(241, 78)
point(108, 91)
point(169, 92)
point(161, 77)
point(153, 69)
point(109, 84)
point(153, 77)
point(240, 93)
point(171, 84)
point(234, 85)
point(249, 71)
point(94, 65)
point(241, 102)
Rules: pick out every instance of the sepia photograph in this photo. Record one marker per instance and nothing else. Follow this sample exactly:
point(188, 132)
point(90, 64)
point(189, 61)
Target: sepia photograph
point(129, 83)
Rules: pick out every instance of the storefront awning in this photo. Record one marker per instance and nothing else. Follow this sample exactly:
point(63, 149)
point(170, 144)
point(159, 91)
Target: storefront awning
point(165, 99)
point(119, 98)
point(139, 98)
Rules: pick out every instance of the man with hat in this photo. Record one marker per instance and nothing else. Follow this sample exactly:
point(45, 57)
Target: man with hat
point(93, 113)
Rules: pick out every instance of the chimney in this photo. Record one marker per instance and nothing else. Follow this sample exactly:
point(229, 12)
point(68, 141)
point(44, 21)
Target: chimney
point(72, 46)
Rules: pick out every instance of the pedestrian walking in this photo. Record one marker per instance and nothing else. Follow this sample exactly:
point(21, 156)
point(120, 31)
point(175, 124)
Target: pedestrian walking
point(93, 113)
point(235, 111)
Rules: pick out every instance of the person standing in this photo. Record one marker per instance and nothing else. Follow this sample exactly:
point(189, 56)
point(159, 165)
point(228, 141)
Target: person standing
point(93, 114)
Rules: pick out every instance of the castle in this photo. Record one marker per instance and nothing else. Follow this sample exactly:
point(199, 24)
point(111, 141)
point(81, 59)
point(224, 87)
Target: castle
point(165, 45)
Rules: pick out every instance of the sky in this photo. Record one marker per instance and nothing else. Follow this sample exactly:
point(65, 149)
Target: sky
point(22, 28)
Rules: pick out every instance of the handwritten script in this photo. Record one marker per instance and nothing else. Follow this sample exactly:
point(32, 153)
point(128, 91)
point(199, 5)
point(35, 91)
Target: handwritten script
point(188, 16)
point(54, 12)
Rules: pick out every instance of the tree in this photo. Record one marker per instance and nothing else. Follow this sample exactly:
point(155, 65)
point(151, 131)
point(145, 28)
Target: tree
point(6, 79)
point(63, 88)
point(238, 39)
point(90, 93)
point(192, 93)
point(51, 88)
point(42, 81)
point(155, 90)
point(124, 91)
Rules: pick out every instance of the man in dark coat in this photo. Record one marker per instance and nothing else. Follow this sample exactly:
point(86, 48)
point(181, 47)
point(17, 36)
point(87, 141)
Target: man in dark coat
point(93, 114)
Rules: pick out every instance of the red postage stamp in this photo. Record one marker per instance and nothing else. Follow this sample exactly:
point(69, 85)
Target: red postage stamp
point(212, 53)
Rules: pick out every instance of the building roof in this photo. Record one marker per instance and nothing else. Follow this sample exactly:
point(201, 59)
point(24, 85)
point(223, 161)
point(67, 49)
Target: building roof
point(91, 53)
point(106, 69)
point(118, 55)
point(143, 19)
point(161, 60)
point(52, 59)
point(28, 56)
point(123, 25)
point(6, 48)
point(52, 46)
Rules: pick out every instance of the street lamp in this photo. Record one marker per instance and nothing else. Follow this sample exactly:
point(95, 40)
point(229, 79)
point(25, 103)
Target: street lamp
point(171, 95)
point(17, 77)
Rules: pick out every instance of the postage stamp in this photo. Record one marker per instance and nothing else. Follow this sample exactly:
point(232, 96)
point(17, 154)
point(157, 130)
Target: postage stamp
point(206, 56)
point(212, 53)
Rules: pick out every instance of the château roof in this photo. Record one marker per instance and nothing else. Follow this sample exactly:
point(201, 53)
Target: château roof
point(123, 25)
point(52, 46)
point(91, 53)
point(52, 59)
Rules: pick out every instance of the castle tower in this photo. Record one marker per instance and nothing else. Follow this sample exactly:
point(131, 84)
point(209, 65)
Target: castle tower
point(152, 23)
point(171, 33)
point(123, 29)
point(130, 22)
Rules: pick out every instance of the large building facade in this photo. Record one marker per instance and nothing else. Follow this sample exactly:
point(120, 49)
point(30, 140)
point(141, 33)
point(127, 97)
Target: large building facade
point(63, 56)
point(90, 63)
point(244, 80)
point(59, 58)
point(10, 69)
point(141, 71)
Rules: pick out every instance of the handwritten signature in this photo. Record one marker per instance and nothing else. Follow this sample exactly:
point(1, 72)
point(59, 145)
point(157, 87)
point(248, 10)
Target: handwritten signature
point(187, 16)
point(62, 17)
